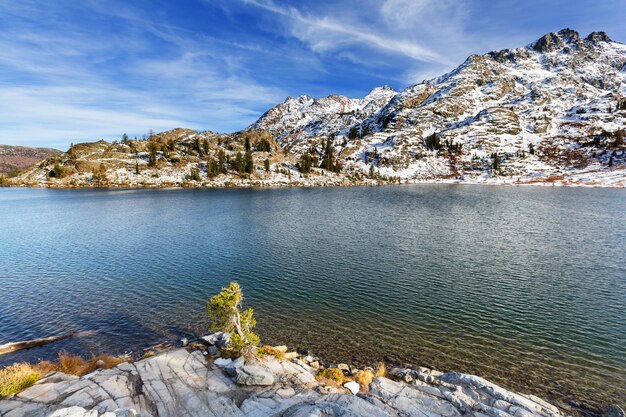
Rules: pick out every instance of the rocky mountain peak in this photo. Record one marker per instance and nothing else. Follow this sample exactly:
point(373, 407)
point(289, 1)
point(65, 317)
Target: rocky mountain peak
point(598, 37)
point(553, 41)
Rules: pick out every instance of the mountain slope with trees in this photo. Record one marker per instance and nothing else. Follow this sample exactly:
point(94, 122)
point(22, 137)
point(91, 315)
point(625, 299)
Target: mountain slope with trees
point(552, 112)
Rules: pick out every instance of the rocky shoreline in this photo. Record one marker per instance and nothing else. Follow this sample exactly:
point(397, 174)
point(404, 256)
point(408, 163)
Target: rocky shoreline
point(195, 381)
point(608, 179)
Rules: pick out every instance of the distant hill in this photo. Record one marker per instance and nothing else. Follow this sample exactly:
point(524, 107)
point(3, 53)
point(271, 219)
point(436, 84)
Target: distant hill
point(15, 158)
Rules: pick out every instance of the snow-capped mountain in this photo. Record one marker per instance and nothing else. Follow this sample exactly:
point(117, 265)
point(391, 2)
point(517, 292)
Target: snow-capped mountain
point(552, 112)
point(554, 104)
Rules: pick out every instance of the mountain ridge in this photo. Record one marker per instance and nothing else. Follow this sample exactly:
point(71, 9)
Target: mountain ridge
point(552, 111)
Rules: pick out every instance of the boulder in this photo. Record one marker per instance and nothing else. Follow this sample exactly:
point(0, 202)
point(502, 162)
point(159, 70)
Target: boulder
point(222, 362)
point(344, 367)
point(254, 375)
point(219, 339)
point(354, 387)
point(74, 412)
point(231, 368)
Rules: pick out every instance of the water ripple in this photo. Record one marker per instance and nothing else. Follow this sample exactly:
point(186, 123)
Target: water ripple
point(525, 286)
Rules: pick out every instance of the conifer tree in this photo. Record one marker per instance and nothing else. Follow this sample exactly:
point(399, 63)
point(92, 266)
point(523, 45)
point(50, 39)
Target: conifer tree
point(495, 165)
point(240, 164)
point(248, 162)
point(57, 170)
point(212, 168)
point(225, 312)
point(221, 161)
point(152, 156)
point(619, 138)
point(328, 160)
point(304, 164)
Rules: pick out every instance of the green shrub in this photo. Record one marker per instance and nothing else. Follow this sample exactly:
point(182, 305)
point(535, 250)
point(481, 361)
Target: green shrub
point(333, 374)
point(224, 310)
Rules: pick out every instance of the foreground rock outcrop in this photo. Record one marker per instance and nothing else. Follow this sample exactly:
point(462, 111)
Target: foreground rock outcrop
point(181, 382)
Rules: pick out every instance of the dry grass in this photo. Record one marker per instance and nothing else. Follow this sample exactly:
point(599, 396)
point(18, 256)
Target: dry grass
point(270, 351)
point(364, 379)
point(331, 376)
point(17, 377)
point(76, 365)
point(20, 376)
point(380, 370)
point(45, 367)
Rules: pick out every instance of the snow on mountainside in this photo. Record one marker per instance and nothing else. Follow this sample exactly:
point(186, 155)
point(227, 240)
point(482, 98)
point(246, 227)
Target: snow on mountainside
point(552, 112)
point(547, 107)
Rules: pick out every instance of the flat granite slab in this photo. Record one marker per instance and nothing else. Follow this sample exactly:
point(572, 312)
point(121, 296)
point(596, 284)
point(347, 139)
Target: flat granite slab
point(179, 383)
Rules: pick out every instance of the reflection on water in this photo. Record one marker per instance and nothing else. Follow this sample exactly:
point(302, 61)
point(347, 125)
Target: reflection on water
point(525, 286)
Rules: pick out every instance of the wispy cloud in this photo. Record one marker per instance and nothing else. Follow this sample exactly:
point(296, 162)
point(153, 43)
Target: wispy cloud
point(324, 33)
point(97, 68)
point(84, 83)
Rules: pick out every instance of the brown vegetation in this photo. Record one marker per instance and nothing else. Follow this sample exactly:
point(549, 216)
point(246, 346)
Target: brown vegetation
point(271, 351)
point(20, 376)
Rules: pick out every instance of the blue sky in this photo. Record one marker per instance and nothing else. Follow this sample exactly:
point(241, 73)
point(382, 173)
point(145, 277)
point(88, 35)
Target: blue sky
point(74, 71)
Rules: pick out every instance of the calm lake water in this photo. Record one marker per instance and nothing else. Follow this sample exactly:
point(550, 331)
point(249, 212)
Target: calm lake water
point(525, 286)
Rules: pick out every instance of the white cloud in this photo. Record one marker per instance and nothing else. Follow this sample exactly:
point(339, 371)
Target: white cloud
point(324, 33)
point(71, 84)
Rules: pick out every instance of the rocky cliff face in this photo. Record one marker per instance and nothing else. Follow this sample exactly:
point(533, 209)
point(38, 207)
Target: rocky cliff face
point(552, 112)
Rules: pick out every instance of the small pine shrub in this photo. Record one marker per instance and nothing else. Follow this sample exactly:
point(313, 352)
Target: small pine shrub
point(224, 311)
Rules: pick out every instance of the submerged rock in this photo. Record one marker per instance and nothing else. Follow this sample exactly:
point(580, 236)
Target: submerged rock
point(614, 410)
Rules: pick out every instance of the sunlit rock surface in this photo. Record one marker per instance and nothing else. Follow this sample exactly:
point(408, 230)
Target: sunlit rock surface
point(184, 383)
